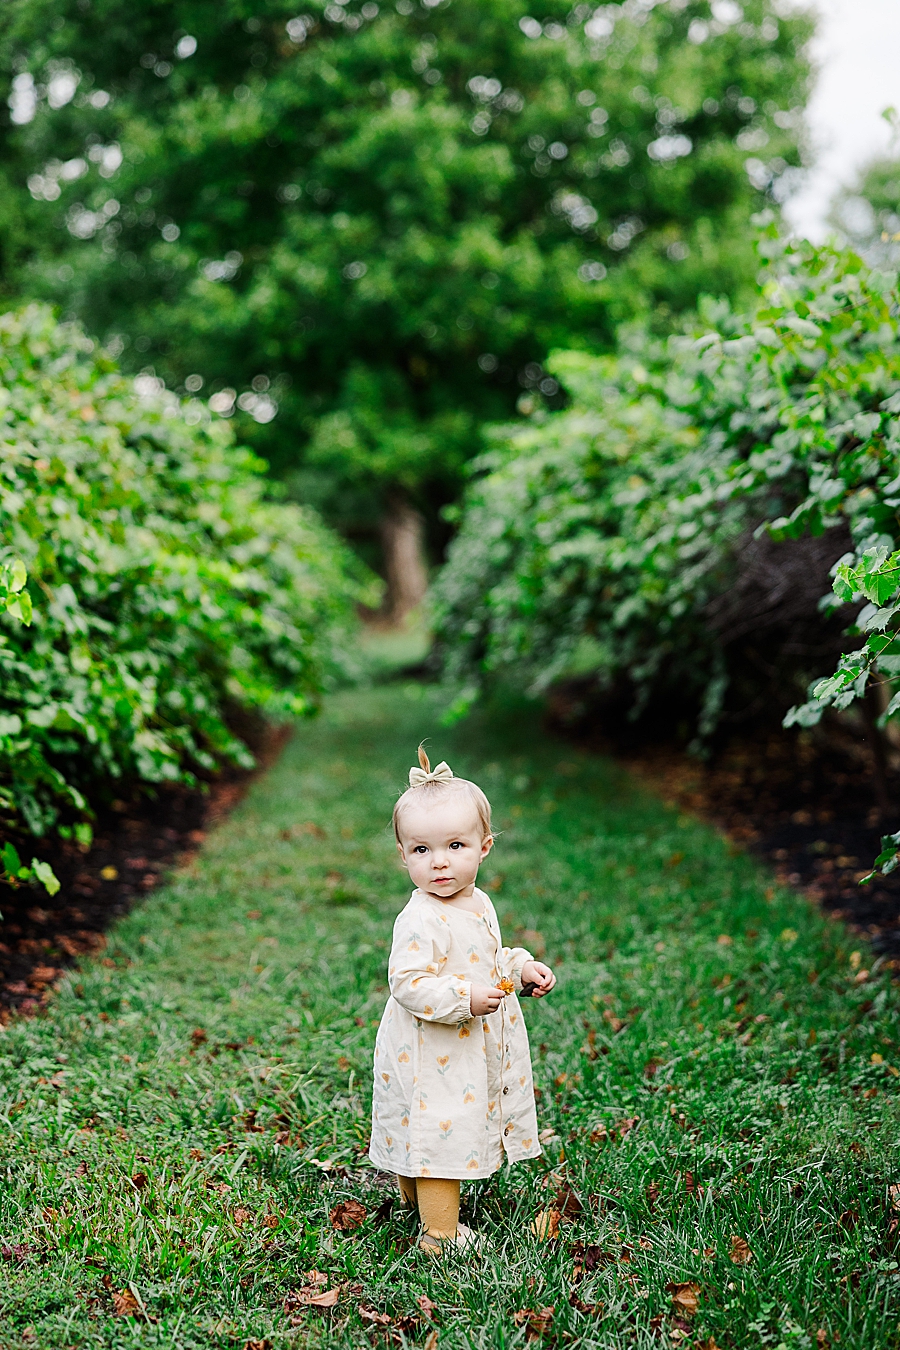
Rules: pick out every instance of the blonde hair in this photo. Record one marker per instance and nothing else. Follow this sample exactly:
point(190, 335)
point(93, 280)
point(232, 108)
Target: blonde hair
point(432, 792)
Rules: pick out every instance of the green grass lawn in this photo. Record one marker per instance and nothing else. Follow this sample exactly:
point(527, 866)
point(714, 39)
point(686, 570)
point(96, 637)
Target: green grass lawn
point(717, 1075)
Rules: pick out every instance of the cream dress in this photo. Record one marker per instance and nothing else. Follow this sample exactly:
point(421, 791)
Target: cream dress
point(453, 1093)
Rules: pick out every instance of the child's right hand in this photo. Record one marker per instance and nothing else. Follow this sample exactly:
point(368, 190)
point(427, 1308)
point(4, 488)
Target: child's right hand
point(483, 1000)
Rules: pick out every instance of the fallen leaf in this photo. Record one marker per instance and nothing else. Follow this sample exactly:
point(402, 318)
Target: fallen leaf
point(249, 1122)
point(81, 1170)
point(241, 1216)
point(18, 1251)
point(652, 1194)
point(198, 1035)
point(349, 1214)
point(546, 1224)
point(568, 1203)
point(271, 1221)
point(685, 1297)
point(740, 1253)
point(821, 1337)
point(382, 1319)
point(140, 1181)
point(196, 1154)
point(315, 1277)
point(538, 1322)
point(253, 1344)
point(591, 1309)
point(709, 1253)
point(313, 1296)
point(599, 1134)
point(426, 1305)
point(125, 1304)
point(615, 1023)
point(625, 1126)
point(709, 1344)
point(848, 1220)
point(431, 1341)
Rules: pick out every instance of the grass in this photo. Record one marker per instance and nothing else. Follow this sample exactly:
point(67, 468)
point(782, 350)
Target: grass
point(714, 1066)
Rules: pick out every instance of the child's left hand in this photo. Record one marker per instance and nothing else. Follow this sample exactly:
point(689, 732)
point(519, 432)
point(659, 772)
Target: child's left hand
point(535, 972)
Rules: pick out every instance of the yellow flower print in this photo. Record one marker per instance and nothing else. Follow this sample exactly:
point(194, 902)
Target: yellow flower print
point(404, 1121)
point(422, 1106)
point(472, 1165)
point(469, 1097)
point(386, 1077)
point(403, 1057)
point(427, 1010)
point(526, 1143)
point(388, 1140)
point(463, 1032)
point(443, 1061)
point(446, 1127)
point(413, 947)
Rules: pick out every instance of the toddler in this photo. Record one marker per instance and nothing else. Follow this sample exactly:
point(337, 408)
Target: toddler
point(453, 1090)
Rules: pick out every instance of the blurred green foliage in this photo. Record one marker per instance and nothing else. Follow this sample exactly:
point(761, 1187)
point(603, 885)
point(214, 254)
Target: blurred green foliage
point(170, 590)
point(599, 540)
point(377, 219)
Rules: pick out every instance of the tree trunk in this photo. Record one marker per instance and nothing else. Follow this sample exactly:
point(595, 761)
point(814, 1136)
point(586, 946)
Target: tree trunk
point(403, 542)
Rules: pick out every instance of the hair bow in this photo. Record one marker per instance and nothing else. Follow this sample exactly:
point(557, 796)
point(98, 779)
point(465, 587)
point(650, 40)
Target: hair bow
point(442, 773)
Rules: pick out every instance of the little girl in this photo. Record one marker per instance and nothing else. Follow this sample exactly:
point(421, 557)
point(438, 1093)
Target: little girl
point(453, 1090)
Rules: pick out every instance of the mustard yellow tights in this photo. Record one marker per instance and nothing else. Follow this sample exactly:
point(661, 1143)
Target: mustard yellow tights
point(438, 1203)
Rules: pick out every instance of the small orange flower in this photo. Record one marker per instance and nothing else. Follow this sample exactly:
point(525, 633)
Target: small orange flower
point(507, 986)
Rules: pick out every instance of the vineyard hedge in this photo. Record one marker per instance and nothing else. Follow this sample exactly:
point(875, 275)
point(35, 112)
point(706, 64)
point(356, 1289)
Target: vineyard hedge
point(669, 537)
point(169, 588)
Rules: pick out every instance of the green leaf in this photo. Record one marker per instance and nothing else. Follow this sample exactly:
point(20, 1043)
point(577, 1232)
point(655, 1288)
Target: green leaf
point(45, 875)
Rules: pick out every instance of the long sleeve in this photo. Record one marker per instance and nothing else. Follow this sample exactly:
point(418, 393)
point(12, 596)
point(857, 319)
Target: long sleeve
point(415, 974)
point(510, 961)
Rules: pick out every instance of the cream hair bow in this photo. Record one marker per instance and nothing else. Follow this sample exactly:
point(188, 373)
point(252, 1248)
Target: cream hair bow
point(442, 773)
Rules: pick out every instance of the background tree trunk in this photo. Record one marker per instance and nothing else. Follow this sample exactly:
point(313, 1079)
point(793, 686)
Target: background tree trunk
point(403, 541)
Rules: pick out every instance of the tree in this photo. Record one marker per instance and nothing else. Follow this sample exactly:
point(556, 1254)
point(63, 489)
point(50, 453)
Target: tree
point(375, 220)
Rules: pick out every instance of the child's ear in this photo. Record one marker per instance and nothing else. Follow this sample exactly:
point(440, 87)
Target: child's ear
point(486, 846)
point(400, 850)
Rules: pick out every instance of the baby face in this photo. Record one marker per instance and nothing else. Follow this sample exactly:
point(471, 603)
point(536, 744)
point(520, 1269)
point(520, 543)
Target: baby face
point(442, 847)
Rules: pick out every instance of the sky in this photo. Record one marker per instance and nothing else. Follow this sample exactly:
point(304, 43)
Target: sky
point(857, 51)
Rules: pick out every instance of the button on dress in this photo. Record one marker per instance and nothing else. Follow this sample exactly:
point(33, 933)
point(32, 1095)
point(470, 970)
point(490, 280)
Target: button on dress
point(453, 1094)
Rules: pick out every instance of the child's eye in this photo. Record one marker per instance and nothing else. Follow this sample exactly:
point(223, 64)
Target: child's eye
point(420, 848)
point(457, 845)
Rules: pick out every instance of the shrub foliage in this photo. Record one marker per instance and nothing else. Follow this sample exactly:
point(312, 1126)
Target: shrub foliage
point(615, 540)
point(169, 588)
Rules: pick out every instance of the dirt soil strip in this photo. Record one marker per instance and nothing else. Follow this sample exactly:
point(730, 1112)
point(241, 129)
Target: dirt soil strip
point(807, 808)
point(137, 844)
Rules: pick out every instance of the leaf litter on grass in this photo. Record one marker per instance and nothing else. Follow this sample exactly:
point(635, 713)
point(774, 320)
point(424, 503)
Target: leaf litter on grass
point(763, 1128)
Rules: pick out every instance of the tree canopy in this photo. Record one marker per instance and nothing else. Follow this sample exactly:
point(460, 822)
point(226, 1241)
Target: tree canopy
point(362, 227)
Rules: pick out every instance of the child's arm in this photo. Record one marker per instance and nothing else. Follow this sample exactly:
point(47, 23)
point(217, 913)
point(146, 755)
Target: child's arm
point(418, 958)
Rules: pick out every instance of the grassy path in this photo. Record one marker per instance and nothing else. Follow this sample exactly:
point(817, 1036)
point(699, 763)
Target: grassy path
point(718, 1078)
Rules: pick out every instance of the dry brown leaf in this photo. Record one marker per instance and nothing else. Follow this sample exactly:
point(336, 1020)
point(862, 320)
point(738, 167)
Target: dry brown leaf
point(709, 1344)
point(254, 1344)
point(198, 1035)
point(568, 1203)
point(81, 1170)
point(349, 1214)
point(652, 1194)
point(313, 1296)
point(740, 1253)
point(431, 1341)
point(709, 1253)
point(140, 1180)
point(381, 1319)
point(685, 1297)
point(271, 1221)
point(822, 1337)
point(196, 1154)
point(426, 1306)
point(599, 1134)
point(537, 1322)
point(315, 1277)
point(241, 1216)
point(623, 1127)
point(616, 1023)
point(546, 1224)
point(125, 1304)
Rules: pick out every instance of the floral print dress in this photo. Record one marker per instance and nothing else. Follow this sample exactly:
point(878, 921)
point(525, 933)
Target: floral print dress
point(453, 1094)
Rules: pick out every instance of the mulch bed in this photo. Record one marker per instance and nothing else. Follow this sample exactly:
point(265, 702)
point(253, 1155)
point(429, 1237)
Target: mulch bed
point(137, 844)
point(806, 803)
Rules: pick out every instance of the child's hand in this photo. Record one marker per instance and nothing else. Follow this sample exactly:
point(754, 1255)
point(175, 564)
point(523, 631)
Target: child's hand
point(483, 1000)
point(535, 972)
